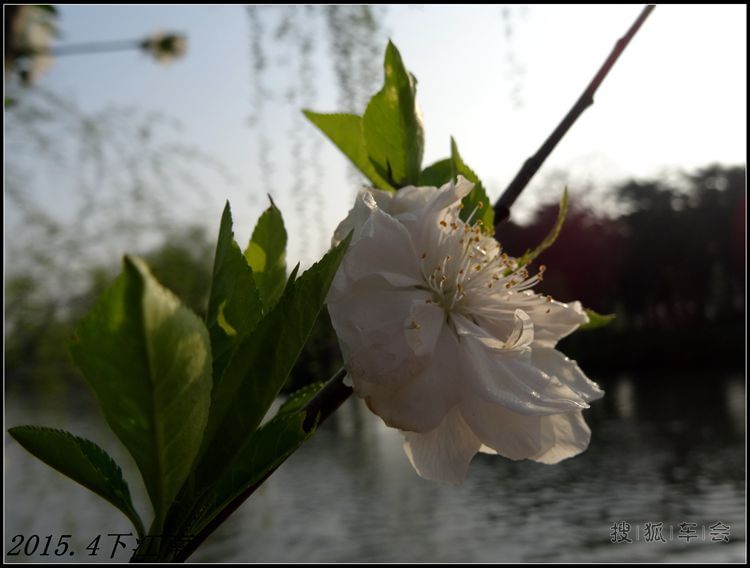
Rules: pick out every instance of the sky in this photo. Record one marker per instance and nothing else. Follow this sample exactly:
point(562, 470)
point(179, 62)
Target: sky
point(675, 100)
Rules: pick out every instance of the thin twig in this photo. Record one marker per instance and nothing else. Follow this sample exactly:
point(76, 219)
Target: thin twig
point(81, 48)
point(532, 165)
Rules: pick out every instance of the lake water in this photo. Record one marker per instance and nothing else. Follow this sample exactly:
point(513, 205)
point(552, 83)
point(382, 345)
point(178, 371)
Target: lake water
point(664, 450)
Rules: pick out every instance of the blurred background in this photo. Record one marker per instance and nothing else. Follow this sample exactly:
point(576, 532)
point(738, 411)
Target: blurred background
point(127, 129)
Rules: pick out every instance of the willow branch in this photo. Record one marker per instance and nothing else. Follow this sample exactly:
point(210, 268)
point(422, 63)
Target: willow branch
point(532, 164)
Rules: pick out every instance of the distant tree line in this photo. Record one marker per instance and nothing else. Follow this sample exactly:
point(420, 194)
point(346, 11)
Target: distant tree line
point(671, 267)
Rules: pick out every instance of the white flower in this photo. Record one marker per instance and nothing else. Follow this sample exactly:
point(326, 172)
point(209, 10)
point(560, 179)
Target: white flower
point(444, 339)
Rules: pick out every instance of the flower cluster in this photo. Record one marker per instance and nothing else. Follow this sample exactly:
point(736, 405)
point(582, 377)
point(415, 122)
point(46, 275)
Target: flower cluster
point(444, 339)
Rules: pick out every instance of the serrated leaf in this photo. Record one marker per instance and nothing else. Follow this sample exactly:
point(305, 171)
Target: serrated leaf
point(345, 130)
point(476, 202)
point(252, 380)
point(148, 360)
point(262, 363)
point(82, 461)
point(268, 448)
point(437, 174)
point(392, 125)
point(596, 320)
point(292, 276)
point(551, 237)
point(266, 255)
point(234, 305)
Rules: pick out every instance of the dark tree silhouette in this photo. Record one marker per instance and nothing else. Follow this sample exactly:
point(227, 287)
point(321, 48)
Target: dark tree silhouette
point(671, 268)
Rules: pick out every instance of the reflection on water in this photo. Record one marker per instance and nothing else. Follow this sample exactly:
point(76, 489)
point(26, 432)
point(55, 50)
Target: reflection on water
point(664, 450)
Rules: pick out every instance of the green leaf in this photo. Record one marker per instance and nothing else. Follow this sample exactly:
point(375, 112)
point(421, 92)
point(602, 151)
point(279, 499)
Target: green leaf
point(345, 130)
point(82, 461)
point(437, 174)
point(551, 237)
point(252, 380)
point(392, 125)
point(262, 363)
point(266, 255)
point(234, 306)
point(476, 202)
point(268, 448)
point(596, 320)
point(300, 398)
point(148, 360)
point(9, 102)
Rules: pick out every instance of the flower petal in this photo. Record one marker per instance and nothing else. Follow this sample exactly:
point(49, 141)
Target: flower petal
point(502, 431)
point(375, 338)
point(423, 327)
point(564, 436)
point(426, 200)
point(508, 377)
point(545, 439)
point(555, 363)
point(420, 209)
point(418, 403)
point(384, 247)
point(361, 212)
point(444, 453)
point(554, 320)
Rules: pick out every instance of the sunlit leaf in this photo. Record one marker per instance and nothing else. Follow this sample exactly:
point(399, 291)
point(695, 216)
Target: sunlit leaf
point(253, 378)
point(266, 255)
point(393, 131)
point(148, 360)
point(476, 205)
point(345, 130)
point(263, 361)
point(234, 306)
point(437, 174)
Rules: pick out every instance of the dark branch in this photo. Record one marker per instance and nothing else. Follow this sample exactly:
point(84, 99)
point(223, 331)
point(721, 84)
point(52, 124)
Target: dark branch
point(532, 164)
